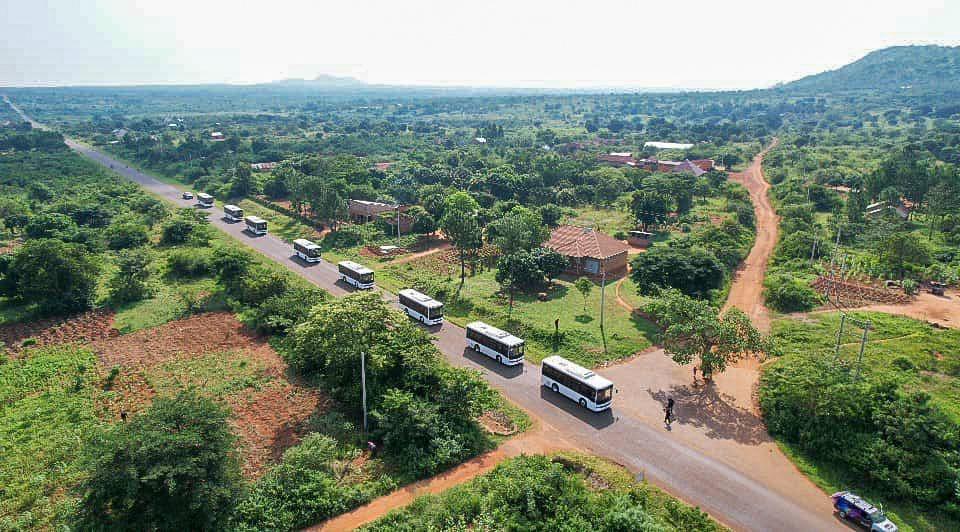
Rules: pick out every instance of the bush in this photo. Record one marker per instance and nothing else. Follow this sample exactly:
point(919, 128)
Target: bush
point(258, 284)
point(190, 262)
point(50, 225)
point(56, 276)
point(172, 467)
point(129, 283)
point(345, 237)
point(279, 313)
point(126, 233)
point(788, 294)
point(694, 271)
point(910, 286)
point(307, 487)
point(894, 440)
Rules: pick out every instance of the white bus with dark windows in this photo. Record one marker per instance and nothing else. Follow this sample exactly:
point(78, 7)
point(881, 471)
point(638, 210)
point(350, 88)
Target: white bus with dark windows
point(306, 250)
point(233, 213)
point(577, 383)
point(356, 274)
point(499, 345)
point(256, 225)
point(204, 199)
point(420, 307)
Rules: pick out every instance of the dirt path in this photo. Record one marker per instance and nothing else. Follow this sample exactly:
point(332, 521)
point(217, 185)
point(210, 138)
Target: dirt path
point(746, 292)
point(620, 301)
point(414, 256)
point(535, 441)
point(941, 310)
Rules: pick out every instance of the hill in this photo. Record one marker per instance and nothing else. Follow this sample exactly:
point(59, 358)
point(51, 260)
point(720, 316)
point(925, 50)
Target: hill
point(323, 81)
point(890, 68)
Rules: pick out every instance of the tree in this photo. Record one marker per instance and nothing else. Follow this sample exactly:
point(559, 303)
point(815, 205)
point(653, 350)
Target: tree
point(58, 277)
point(326, 202)
point(521, 229)
point(694, 271)
point(50, 225)
point(518, 270)
point(550, 214)
point(694, 329)
point(14, 213)
point(126, 232)
point(460, 225)
point(941, 200)
point(129, 283)
point(901, 250)
point(242, 183)
point(649, 207)
point(172, 467)
point(550, 262)
point(584, 286)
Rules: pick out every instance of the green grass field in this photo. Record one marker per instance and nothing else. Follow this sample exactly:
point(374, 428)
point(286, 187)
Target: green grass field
point(911, 352)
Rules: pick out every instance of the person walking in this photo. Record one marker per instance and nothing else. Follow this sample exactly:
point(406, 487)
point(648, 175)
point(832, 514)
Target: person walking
point(668, 412)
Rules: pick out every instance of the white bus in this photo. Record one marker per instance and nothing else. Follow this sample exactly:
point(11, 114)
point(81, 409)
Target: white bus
point(576, 383)
point(306, 250)
point(204, 199)
point(502, 346)
point(421, 307)
point(356, 274)
point(233, 213)
point(256, 225)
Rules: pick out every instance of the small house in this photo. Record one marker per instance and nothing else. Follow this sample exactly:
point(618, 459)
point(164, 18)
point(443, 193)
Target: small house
point(363, 211)
point(589, 251)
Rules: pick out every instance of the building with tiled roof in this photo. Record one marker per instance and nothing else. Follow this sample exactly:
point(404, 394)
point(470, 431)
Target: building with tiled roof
point(589, 251)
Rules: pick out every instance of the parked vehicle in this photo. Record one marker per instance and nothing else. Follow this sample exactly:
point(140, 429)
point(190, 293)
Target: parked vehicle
point(937, 289)
point(188, 195)
point(854, 508)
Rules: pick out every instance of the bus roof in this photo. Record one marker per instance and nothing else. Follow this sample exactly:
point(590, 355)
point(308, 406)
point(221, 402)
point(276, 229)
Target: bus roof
point(204, 195)
point(305, 243)
point(588, 376)
point(231, 208)
point(256, 220)
point(355, 266)
point(424, 300)
point(493, 332)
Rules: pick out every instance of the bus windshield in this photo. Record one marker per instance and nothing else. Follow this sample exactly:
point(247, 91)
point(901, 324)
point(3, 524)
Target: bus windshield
point(436, 312)
point(604, 395)
point(516, 351)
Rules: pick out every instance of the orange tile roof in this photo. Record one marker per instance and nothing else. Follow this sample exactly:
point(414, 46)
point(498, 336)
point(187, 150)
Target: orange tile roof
point(574, 241)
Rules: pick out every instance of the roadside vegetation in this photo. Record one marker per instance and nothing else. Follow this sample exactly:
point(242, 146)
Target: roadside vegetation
point(565, 491)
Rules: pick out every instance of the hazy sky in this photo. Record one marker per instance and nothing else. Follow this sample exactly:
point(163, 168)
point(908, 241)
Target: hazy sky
point(666, 43)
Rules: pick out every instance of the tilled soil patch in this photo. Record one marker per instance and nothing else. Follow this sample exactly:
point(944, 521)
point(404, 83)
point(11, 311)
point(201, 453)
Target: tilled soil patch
point(83, 328)
point(269, 415)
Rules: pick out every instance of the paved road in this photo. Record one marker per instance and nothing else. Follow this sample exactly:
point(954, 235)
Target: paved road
point(728, 494)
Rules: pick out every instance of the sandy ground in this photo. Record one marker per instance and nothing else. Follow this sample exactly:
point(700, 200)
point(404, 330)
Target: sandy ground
point(746, 293)
point(942, 310)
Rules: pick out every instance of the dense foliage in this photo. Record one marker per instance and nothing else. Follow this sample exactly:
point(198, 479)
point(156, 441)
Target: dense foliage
point(540, 493)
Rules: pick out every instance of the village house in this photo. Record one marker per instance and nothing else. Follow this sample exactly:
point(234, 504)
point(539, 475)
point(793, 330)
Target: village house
point(618, 158)
point(217, 136)
point(263, 167)
point(589, 251)
point(362, 211)
point(696, 167)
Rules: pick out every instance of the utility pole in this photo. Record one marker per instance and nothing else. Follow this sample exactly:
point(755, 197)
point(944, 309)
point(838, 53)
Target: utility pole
point(398, 224)
point(863, 345)
point(843, 320)
point(363, 388)
point(603, 285)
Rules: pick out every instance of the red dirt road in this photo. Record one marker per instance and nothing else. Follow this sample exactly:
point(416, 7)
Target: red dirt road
point(746, 293)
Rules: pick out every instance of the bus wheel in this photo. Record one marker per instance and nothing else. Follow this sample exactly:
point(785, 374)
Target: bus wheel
point(583, 403)
point(421, 319)
point(556, 388)
point(499, 359)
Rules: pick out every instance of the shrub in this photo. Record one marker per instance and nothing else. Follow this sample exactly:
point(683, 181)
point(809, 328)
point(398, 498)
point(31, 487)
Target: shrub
point(279, 313)
point(56, 276)
point(910, 286)
point(50, 225)
point(172, 467)
point(694, 271)
point(129, 283)
point(345, 237)
point(190, 262)
point(788, 294)
point(258, 284)
point(126, 232)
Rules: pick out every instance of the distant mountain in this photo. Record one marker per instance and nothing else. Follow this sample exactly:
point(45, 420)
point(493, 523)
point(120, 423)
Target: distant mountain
point(889, 68)
point(323, 81)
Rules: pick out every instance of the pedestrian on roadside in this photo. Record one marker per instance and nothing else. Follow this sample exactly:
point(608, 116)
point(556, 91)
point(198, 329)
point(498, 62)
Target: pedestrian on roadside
point(695, 368)
point(668, 411)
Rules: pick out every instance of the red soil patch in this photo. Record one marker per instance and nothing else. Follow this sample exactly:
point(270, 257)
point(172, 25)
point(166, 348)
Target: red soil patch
point(82, 328)
point(268, 419)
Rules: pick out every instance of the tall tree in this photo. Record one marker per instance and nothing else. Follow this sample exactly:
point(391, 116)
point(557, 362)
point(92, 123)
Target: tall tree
point(521, 229)
point(649, 207)
point(242, 183)
point(694, 329)
point(460, 225)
